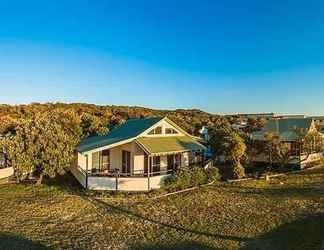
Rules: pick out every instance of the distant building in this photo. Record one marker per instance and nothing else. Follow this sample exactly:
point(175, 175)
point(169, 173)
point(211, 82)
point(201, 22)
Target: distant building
point(204, 133)
point(2, 160)
point(252, 115)
point(289, 116)
point(319, 121)
point(286, 130)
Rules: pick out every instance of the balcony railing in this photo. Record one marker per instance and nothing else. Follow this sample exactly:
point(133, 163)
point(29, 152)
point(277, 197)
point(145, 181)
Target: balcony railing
point(135, 173)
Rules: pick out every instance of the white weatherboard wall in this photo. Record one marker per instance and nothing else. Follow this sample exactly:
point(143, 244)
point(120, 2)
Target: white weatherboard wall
point(135, 184)
point(82, 161)
point(164, 163)
point(185, 159)
point(102, 183)
point(6, 172)
point(139, 158)
point(310, 158)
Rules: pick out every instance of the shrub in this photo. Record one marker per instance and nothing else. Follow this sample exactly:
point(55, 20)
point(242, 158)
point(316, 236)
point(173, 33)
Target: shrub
point(212, 174)
point(238, 171)
point(190, 177)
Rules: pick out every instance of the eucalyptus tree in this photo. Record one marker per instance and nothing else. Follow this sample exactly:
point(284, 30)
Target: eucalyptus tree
point(43, 144)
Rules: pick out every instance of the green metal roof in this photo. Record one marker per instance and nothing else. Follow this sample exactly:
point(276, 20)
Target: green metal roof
point(168, 144)
point(128, 130)
point(285, 128)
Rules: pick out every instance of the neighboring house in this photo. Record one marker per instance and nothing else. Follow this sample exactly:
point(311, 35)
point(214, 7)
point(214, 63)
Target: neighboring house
point(286, 129)
point(289, 116)
point(239, 125)
point(136, 156)
point(5, 170)
point(3, 162)
point(244, 116)
point(204, 133)
point(319, 121)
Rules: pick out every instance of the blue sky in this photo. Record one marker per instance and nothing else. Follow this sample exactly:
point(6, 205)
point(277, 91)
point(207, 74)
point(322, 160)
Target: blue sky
point(220, 56)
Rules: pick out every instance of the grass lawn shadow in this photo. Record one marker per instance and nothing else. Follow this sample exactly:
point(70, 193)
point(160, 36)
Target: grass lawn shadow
point(17, 242)
point(305, 233)
point(184, 245)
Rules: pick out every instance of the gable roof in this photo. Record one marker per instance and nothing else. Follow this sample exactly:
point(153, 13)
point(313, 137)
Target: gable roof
point(168, 144)
point(130, 129)
point(285, 128)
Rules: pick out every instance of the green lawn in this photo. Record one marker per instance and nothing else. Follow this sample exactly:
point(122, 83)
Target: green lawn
point(285, 213)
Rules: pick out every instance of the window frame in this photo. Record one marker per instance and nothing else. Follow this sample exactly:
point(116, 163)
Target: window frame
point(174, 132)
point(155, 132)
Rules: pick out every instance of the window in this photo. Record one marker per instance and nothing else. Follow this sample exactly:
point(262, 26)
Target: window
point(156, 131)
point(95, 162)
point(177, 159)
point(105, 163)
point(170, 131)
point(126, 162)
point(156, 162)
point(170, 159)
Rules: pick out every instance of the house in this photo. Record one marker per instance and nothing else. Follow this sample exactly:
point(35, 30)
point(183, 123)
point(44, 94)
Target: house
point(136, 156)
point(244, 117)
point(319, 121)
point(5, 170)
point(204, 133)
point(287, 131)
point(294, 116)
point(3, 161)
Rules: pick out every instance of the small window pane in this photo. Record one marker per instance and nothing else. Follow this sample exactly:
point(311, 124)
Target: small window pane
point(170, 131)
point(156, 131)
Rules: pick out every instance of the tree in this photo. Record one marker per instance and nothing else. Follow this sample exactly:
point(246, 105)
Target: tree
point(282, 154)
point(43, 144)
point(254, 124)
point(227, 142)
point(271, 142)
point(234, 149)
point(216, 138)
point(93, 125)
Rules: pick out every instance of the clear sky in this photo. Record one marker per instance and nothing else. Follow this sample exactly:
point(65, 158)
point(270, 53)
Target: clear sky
point(222, 56)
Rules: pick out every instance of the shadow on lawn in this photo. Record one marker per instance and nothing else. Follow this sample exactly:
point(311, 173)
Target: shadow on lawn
point(315, 190)
point(305, 233)
point(184, 245)
point(13, 242)
point(66, 182)
point(129, 213)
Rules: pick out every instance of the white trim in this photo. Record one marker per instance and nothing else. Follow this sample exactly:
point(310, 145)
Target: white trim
point(160, 123)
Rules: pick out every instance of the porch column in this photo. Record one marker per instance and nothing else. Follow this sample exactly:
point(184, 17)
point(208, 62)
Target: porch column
point(86, 171)
point(203, 158)
point(148, 173)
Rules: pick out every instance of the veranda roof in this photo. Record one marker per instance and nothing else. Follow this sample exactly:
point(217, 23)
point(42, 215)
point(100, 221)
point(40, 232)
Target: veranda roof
point(170, 144)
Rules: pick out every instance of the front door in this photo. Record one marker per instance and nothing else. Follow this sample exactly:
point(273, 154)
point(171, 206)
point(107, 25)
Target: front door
point(126, 160)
